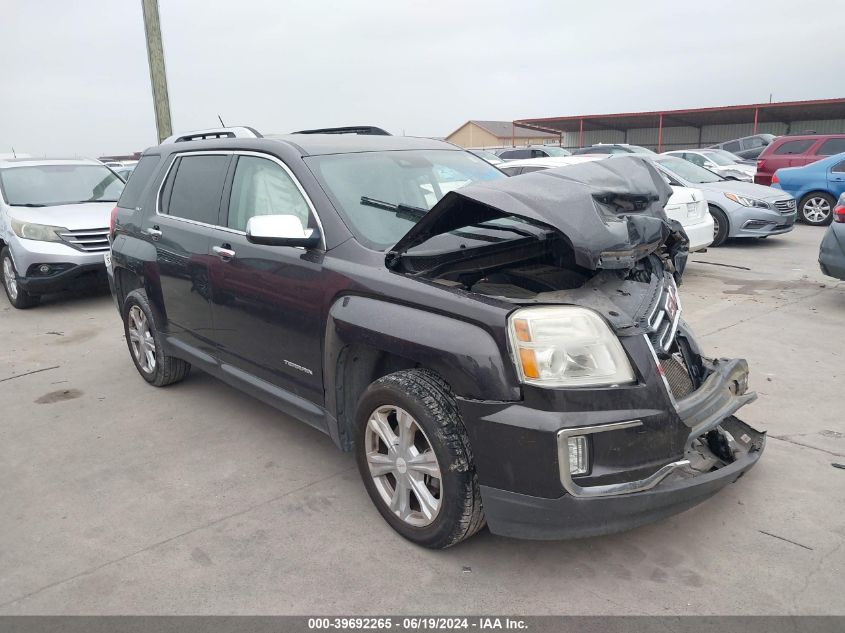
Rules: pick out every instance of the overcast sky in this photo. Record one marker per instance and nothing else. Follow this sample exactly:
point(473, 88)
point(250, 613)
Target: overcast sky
point(75, 80)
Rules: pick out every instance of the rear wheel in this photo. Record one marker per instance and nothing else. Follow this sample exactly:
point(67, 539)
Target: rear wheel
point(415, 460)
point(816, 208)
point(18, 297)
point(720, 225)
point(142, 336)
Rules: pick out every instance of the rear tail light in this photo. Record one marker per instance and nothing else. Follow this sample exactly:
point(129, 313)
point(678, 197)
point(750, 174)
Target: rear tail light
point(839, 214)
point(775, 178)
point(761, 164)
point(112, 220)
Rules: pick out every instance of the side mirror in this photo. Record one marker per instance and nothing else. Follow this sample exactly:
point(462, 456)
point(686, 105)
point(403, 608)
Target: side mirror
point(280, 230)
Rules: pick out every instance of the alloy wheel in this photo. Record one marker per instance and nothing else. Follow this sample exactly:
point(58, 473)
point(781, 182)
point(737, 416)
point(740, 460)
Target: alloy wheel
point(10, 278)
point(715, 226)
point(403, 466)
point(816, 209)
point(141, 340)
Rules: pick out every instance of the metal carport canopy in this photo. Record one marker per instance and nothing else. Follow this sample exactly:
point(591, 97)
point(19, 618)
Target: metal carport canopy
point(783, 112)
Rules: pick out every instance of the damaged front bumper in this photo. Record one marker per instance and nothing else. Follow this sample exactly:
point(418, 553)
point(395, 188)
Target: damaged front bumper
point(718, 449)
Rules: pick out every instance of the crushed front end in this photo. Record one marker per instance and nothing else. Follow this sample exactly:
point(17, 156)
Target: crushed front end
point(622, 421)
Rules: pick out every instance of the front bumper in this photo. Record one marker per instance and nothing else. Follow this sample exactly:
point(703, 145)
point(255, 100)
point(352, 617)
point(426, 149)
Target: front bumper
point(652, 454)
point(754, 222)
point(70, 266)
point(523, 516)
point(832, 253)
point(67, 278)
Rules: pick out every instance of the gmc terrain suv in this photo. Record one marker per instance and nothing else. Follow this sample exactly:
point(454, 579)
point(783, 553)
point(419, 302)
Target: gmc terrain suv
point(54, 217)
point(508, 350)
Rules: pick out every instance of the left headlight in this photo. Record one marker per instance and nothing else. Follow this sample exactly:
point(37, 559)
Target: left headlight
point(746, 201)
point(566, 346)
point(39, 232)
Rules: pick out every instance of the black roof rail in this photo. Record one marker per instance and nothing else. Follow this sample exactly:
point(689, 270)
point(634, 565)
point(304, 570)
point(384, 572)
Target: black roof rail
point(370, 130)
point(236, 131)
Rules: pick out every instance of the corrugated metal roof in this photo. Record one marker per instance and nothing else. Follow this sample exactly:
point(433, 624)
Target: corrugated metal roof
point(779, 112)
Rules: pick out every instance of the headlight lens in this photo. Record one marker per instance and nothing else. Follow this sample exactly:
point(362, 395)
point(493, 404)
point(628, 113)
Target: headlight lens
point(40, 232)
point(746, 201)
point(566, 346)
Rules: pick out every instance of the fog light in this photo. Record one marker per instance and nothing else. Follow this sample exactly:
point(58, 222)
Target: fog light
point(578, 460)
point(44, 269)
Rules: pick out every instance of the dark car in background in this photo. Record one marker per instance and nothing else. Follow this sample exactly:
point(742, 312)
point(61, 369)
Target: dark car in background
point(531, 151)
point(613, 148)
point(748, 147)
point(832, 249)
point(796, 150)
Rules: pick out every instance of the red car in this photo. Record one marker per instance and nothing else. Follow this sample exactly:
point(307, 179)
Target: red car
point(796, 151)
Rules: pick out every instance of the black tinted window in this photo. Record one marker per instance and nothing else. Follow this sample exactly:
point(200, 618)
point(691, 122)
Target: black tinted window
point(839, 167)
point(529, 169)
point(832, 146)
point(196, 188)
point(794, 147)
point(146, 167)
point(511, 171)
point(516, 153)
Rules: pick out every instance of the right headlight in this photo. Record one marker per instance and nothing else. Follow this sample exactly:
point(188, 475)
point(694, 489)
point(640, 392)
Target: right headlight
point(39, 232)
point(566, 346)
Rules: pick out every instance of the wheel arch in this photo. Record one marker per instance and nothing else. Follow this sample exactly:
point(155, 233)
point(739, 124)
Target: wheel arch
point(368, 338)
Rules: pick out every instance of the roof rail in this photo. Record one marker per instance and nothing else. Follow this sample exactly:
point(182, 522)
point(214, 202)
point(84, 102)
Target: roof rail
point(351, 129)
point(242, 131)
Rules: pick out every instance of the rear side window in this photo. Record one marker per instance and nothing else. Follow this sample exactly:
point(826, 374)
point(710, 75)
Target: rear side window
point(794, 147)
point(733, 146)
point(131, 196)
point(529, 169)
point(832, 146)
point(194, 188)
point(753, 142)
point(839, 168)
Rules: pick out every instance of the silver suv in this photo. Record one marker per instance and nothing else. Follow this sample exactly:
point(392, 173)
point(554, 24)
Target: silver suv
point(54, 224)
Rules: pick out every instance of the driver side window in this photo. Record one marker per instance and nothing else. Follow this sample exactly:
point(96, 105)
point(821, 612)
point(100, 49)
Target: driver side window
point(262, 187)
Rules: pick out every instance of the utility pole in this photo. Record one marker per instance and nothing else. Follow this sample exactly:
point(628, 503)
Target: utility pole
point(158, 76)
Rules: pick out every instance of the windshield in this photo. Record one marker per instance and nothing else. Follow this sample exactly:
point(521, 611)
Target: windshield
point(556, 151)
point(47, 185)
point(685, 170)
point(381, 195)
point(721, 159)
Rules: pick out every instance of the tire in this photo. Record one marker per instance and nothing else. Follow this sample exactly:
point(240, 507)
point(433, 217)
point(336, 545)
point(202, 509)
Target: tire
point(436, 442)
point(18, 297)
point(816, 208)
point(721, 226)
point(144, 341)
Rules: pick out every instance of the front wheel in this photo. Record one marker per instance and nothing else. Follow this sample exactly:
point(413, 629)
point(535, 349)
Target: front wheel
point(816, 208)
point(18, 297)
point(415, 460)
point(720, 226)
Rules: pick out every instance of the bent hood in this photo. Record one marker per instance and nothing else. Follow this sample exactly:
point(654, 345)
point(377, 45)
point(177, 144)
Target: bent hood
point(611, 212)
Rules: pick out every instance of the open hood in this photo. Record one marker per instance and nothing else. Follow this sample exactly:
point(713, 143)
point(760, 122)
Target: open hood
point(610, 211)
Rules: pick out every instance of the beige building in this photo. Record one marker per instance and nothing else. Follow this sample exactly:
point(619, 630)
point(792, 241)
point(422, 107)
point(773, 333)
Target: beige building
point(482, 134)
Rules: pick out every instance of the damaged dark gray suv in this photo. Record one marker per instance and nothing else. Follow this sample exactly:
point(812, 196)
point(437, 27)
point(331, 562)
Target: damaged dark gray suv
point(500, 350)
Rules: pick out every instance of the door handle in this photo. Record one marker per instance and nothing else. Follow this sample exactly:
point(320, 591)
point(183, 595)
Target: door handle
point(154, 233)
point(224, 252)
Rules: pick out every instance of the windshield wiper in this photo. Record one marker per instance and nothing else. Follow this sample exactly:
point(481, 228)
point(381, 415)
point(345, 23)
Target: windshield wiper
point(26, 204)
point(404, 211)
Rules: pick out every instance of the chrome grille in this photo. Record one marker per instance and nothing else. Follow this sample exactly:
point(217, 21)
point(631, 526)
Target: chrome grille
point(662, 321)
point(88, 240)
point(785, 206)
point(677, 375)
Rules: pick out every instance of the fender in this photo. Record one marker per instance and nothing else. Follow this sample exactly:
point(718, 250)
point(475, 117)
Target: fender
point(139, 258)
point(465, 355)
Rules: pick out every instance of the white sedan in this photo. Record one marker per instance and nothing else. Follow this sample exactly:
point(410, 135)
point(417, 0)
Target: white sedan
point(686, 205)
point(718, 161)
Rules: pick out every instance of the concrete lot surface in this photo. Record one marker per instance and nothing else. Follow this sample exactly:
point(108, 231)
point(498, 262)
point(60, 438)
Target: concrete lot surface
point(118, 498)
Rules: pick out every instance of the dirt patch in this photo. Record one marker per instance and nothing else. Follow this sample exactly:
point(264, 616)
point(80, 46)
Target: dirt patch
point(58, 396)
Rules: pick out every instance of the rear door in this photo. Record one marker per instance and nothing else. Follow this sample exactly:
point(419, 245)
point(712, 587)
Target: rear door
point(188, 208)
point(836, 179)
point(267, 300)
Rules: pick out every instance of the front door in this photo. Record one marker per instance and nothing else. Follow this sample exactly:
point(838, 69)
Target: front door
point(267, 300)
point(181, 231)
